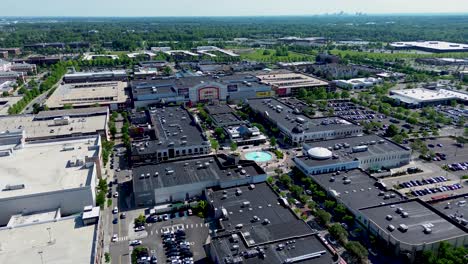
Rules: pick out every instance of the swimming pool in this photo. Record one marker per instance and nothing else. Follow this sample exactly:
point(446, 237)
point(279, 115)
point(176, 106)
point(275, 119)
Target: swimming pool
point(259, 156)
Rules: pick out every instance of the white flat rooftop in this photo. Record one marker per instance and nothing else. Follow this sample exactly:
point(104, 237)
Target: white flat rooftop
point(422, 95)
point(436, 45)
point(6, 102)
point(40, 129)
point(86, 94)
point(71, 243)
point(44, 167)
point(290, 80)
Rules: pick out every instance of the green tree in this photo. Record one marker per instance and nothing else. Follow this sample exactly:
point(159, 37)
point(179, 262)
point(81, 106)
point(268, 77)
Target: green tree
point(273, 141)
point(323, 217)
point(357, 250)
point(338, 232)
point(391, 131)
point(140, 220)
point(285, 180)
point(233, 146)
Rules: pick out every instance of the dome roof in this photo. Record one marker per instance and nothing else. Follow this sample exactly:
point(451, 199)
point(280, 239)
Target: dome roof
point(319, 153)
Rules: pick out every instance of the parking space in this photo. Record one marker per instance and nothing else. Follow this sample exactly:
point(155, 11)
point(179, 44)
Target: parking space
point(432, 183)
point(449, 153)
point(360, 114)
point(196, 234)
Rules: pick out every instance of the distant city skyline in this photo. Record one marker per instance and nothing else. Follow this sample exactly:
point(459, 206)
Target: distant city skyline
point(149, 8)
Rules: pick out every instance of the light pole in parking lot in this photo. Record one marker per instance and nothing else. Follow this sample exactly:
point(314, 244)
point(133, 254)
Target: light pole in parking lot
point(40, 254)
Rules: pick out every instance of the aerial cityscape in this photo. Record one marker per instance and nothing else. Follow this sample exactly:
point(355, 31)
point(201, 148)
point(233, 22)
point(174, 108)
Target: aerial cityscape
point(309, 132)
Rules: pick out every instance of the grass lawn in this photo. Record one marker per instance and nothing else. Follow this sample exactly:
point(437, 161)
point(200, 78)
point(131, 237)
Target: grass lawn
point(260, 55)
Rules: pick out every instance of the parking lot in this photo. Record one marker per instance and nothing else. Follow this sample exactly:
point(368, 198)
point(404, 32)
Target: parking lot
point(456, 156)
point(196, 232)
point(432, 183)
point(358, 114)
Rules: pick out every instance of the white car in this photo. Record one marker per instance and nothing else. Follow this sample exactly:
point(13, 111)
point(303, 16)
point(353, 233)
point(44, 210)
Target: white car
point(116, 194)
point(139, 228)
point(135, 242)
point(114, 238)
point(116, 210)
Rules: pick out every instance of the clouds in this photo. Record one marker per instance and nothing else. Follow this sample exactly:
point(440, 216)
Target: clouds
point(223, 7)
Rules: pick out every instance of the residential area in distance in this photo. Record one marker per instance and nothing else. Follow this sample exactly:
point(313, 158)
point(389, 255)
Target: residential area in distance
point(328, 139)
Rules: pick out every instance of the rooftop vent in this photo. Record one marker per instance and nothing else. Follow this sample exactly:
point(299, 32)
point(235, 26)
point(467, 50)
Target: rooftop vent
point(11, 187)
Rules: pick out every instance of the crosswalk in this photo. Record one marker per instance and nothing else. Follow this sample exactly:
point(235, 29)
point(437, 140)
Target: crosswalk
point(165, 229)
point(123, 238)
point(177, 227)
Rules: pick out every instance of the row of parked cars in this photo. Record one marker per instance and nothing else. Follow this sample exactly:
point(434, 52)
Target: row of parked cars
point(143, 257)
point(423, 181)
point(165, 217)
point(427, 191)
point(177, 248)
point(458, 166)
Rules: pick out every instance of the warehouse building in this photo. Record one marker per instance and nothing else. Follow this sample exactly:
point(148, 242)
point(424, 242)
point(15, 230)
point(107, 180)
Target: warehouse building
point(194, 89)
point(80, 95)
point(297, 128)
point(49, 238)
point(60, 174)
point(366, 152)
point(359, 83)
point(431, 46)
point(58, 124)
point(421, 97)
point(289, 84)
point(255, 226)
point(183, 179)
point(404, 227)
point(177, 134)
point(105, 76)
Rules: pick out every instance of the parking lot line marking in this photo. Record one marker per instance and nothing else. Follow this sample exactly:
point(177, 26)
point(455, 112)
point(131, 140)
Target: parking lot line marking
point(207, 225)
point(191, 226)
point(186, 226)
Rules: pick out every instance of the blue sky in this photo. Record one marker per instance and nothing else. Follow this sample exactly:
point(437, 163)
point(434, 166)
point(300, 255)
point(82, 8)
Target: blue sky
point(222, 7)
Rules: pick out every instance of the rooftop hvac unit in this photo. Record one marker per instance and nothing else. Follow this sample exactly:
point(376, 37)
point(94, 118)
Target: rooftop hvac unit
point(360, 148)
point(389, 217)
point(68, 148)
point(246, 204)
point(390, 228)
point(427, 230)
point(11, 187)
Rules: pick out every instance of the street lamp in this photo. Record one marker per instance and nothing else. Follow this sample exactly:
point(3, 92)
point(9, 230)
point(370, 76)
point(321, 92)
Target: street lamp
point(40, 254)
point(50, 235)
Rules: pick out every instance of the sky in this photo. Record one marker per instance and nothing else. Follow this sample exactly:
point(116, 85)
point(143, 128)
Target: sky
point(117, 8)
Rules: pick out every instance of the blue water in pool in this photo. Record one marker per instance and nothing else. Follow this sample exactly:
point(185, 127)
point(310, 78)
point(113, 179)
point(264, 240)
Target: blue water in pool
point(258, 156)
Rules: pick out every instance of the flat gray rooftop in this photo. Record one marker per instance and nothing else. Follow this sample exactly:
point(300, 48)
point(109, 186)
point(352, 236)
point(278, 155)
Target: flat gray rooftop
point(301, 246)
point(419, 217)
point(375, 146)
point(456, 208)
point(264, 204)
point(44, 167)
point(288, 117)
point(218, 109)
point(173, 126)
point(71, 243)
point(363, 191)
point(42, 129)
point(188, 171)
point(85, 94)
point(76, 112)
